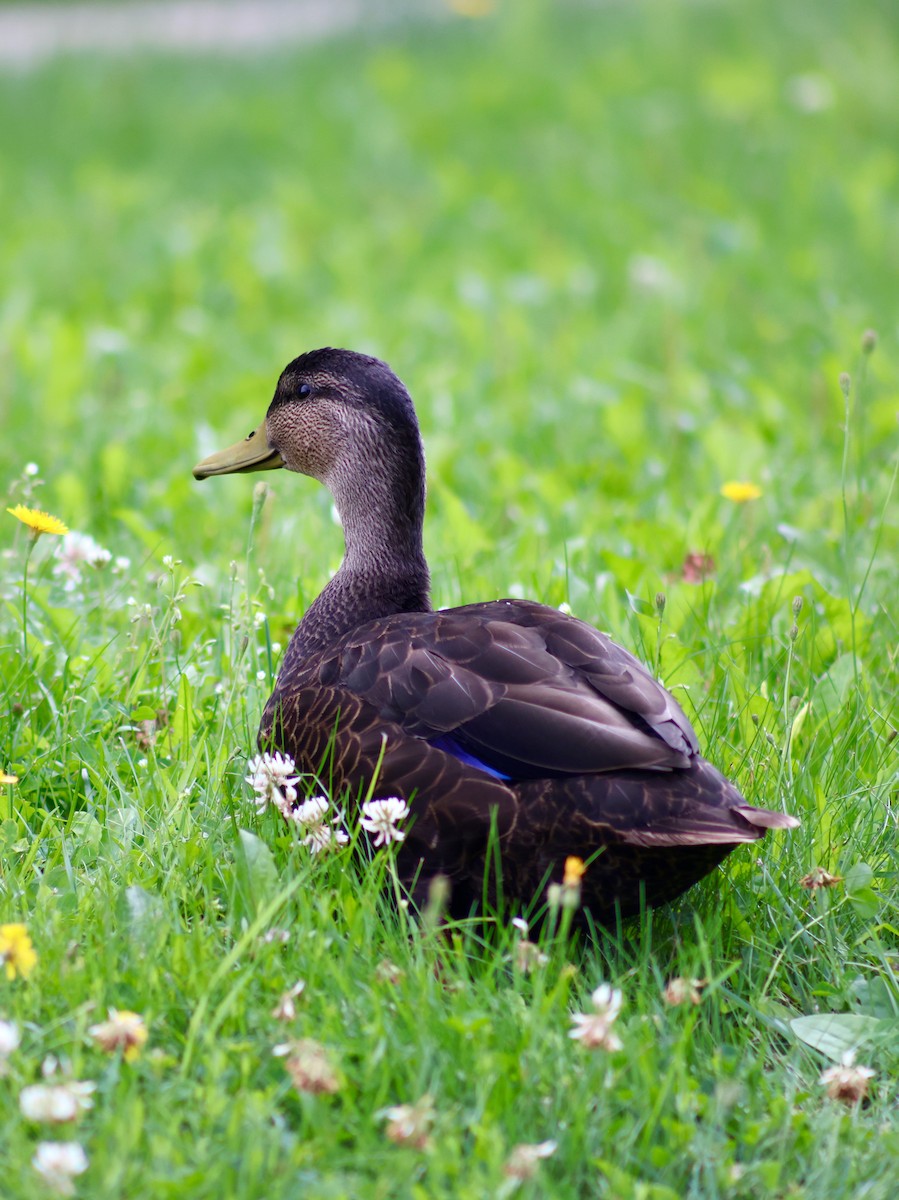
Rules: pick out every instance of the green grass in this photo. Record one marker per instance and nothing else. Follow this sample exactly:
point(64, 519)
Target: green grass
point(620, 256)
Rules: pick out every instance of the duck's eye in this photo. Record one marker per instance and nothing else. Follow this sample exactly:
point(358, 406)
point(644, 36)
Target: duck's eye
point(251, 435)
point(303, 390)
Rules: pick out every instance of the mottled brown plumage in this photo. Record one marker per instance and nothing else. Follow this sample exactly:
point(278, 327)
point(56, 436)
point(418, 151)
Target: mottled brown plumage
point(518, 735)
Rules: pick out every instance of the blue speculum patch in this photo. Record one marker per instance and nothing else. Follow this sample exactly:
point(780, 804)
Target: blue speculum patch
point(449, 745)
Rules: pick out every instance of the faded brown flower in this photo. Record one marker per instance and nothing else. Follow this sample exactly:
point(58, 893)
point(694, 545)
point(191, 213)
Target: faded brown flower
point(819, 878)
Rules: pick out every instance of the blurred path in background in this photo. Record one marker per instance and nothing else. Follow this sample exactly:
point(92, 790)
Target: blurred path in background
point(32, 33)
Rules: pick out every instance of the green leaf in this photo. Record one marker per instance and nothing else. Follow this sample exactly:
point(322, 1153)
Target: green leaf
point(143, 713)
point(262, 874)
point(835, 1034)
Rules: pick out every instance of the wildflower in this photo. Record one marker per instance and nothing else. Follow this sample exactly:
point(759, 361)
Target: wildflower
point(58, 1162)
point(679, 990)
point(847, 1082)
point(123, 1031)
point(410, 1124)
point(381, 817)
point(272, 779)
point(739, 492)
point(528, 955)
point(308, 1066)
point(697, 567)
point(276, 935)
point(37, 521)
point(819, 878)
point(522, 1163)
point(75, 551)
point(595, 1029)
point(16, 951)
point(388, 972)
point(574, 871)
point(30, 470)
point(319, 834)
point(285, 1009)
point(8, 779)
point(9, 1041)
point(56, 1103)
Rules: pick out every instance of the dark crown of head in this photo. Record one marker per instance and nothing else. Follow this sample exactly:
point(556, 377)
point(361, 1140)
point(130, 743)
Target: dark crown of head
point(348, 376)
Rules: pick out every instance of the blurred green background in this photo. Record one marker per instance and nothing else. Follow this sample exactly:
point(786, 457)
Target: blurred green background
point(618, 252)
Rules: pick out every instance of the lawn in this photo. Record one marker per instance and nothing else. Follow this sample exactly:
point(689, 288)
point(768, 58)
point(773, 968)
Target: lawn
point(622, 256)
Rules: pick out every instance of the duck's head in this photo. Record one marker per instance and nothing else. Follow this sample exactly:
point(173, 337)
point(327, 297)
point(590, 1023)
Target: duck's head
point(334, 413)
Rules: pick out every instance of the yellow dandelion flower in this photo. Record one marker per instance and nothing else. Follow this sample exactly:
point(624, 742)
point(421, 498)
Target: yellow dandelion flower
point(574, 871)
point(739, 492)
point(17, 954)
point(10, 779)
point(38, 522)
point(123, 1031)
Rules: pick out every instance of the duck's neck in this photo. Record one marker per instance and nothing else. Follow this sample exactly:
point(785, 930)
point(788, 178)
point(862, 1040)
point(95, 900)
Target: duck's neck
point(384, 570)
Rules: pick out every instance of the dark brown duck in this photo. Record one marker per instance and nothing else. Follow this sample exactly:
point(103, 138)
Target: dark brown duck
point(505, 724)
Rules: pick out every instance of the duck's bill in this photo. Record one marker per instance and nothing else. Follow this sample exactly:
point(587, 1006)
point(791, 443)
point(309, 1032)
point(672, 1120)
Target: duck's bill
point(252, 454)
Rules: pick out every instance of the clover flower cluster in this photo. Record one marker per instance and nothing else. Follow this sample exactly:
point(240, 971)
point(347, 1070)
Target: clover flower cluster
point(274, 779)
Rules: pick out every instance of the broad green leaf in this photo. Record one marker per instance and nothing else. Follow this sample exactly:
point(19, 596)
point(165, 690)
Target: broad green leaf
point(835, 1034)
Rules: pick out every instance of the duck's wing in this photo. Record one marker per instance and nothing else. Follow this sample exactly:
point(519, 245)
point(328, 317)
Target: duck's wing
point(523, 690)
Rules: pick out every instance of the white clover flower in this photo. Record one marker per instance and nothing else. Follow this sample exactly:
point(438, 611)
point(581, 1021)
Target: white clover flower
point(311, 812)
point(56, 1103)
point(9, 1038)
point(273, 780)
point(595, 1029)
point(319, 834)
point(58, 1162)
point(77, 550)
point(410, 1124)
point(380, 817)
point(847, 1082)
point(323, 837)
point(524, 1160)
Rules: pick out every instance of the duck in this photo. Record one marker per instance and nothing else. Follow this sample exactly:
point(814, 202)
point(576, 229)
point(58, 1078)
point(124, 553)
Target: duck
point(518, 736)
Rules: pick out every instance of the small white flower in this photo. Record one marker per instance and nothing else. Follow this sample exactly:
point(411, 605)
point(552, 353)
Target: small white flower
point(31, 469)
point(311, 812)
point(77, 550)
point(521, 925)
point(595, 1029)
point(260, 676)
point(274, 782)
point(56, 1103)
point(120, 564)
point(323, 837)
point(522, 1163)
point(9, 1038)
point(259, 619)
point(58, 1163)
point(380, 817)
point(319, 833)
point(847, 1082)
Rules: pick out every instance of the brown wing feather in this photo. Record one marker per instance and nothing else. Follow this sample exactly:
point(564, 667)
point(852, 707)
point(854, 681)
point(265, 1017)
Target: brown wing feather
point(531, 690)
